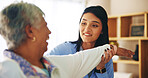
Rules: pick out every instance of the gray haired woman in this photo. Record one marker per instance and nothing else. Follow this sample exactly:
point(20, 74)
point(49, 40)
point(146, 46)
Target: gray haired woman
point(23, 27)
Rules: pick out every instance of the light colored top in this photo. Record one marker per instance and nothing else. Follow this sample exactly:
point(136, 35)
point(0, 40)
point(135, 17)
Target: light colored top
point(70, 48)
point(46, 71)
point(68, 66)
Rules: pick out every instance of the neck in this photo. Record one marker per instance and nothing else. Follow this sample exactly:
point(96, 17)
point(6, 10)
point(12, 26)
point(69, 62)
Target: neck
point(86, 45)
point(30, 54)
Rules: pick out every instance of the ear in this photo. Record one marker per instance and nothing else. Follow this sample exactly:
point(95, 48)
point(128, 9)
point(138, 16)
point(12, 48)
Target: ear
point(29, 31)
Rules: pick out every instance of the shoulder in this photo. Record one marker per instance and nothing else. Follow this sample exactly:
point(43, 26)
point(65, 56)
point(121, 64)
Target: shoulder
point(10, 69)
point(7, 61)
point(66, 44)
point(64, 49)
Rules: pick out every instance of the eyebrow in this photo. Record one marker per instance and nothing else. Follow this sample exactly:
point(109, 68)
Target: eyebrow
point(92, 21)
point(84, 19)
point(96, 22)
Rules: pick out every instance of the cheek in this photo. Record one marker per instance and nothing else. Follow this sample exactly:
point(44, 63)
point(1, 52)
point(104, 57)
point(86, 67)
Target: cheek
point(97, 33)
point(81, 28)
point(96, 36)
point(81, 31)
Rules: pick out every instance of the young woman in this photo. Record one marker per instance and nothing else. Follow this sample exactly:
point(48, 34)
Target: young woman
point(93, 33)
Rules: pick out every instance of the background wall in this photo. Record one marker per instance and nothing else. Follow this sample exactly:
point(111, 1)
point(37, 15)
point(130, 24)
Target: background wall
point(104, 3)
point(118, 7)
point(127, 6)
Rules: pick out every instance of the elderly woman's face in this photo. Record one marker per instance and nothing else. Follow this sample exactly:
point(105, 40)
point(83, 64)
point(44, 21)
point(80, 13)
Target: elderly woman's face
point(90, 27)
point(42, 35)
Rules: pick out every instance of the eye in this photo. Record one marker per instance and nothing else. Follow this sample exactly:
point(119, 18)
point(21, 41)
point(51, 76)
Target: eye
point(94, 25)
point(83, 23)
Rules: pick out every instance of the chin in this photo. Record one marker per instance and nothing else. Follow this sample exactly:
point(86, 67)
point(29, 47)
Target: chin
point(87, 41)
point(45, 49)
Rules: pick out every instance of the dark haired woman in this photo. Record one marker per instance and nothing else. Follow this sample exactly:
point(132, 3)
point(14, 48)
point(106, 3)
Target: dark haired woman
point(93, 32)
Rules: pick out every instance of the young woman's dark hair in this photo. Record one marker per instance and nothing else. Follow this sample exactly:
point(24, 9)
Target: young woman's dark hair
point(99, 12)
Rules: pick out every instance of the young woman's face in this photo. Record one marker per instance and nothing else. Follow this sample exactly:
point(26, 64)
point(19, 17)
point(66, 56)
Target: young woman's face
point(90, 28)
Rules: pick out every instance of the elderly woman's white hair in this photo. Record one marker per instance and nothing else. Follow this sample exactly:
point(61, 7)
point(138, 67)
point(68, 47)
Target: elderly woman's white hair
point(13, 20)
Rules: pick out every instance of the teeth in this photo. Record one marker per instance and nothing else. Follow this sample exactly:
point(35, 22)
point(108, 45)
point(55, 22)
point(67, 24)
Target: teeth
point(47, 39)
point(87, 34)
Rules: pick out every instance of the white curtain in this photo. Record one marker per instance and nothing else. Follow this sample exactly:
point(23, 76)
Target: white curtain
point(62, 17)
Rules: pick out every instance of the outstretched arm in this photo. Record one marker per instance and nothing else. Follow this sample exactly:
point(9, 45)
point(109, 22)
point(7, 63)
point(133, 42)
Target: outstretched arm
point(79, 64)
point(122, 51)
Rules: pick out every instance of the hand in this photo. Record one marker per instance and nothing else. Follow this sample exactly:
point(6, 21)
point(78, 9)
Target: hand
point(108, 56)
point(122, 51)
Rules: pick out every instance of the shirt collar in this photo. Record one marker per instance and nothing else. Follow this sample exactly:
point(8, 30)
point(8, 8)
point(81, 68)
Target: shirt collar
point(25, 65)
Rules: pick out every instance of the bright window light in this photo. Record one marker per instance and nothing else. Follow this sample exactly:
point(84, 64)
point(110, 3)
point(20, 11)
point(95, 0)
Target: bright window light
point(62, 17)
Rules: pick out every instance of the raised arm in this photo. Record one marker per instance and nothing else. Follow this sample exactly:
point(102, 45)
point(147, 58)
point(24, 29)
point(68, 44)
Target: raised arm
point(122, 51)
point(79, 64)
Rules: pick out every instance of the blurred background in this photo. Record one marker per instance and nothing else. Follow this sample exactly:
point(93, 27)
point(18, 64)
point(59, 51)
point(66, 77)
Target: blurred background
point(63, 18)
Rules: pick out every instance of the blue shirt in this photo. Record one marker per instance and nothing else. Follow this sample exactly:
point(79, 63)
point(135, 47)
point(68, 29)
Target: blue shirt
point(69, 48)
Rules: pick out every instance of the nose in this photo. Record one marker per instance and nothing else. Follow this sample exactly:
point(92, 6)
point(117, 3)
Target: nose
point(87, 28)
point(49, 32)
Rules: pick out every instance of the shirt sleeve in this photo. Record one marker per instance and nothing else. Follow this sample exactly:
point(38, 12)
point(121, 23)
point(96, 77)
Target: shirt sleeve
point(80, 63)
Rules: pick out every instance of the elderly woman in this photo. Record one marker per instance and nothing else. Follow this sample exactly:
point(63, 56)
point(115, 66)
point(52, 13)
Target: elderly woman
point(23, 27)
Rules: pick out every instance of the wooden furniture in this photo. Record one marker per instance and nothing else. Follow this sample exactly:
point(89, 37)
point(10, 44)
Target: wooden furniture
point(119, 30)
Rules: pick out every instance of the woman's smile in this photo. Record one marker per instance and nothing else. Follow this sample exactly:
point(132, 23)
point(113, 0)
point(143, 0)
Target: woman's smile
point(87, 34)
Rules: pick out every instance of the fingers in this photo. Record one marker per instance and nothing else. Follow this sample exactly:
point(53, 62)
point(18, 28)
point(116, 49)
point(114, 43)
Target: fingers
point(108, 55)
point(111, 46)
point(113, 52)
point(114, 47)
point(102, 58)
point(120, 51)
point(101, 64)
point(125, 52)
point(130, 54)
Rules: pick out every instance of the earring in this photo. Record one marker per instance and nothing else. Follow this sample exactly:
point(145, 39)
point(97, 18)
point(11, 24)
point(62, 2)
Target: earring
point(34, 39)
